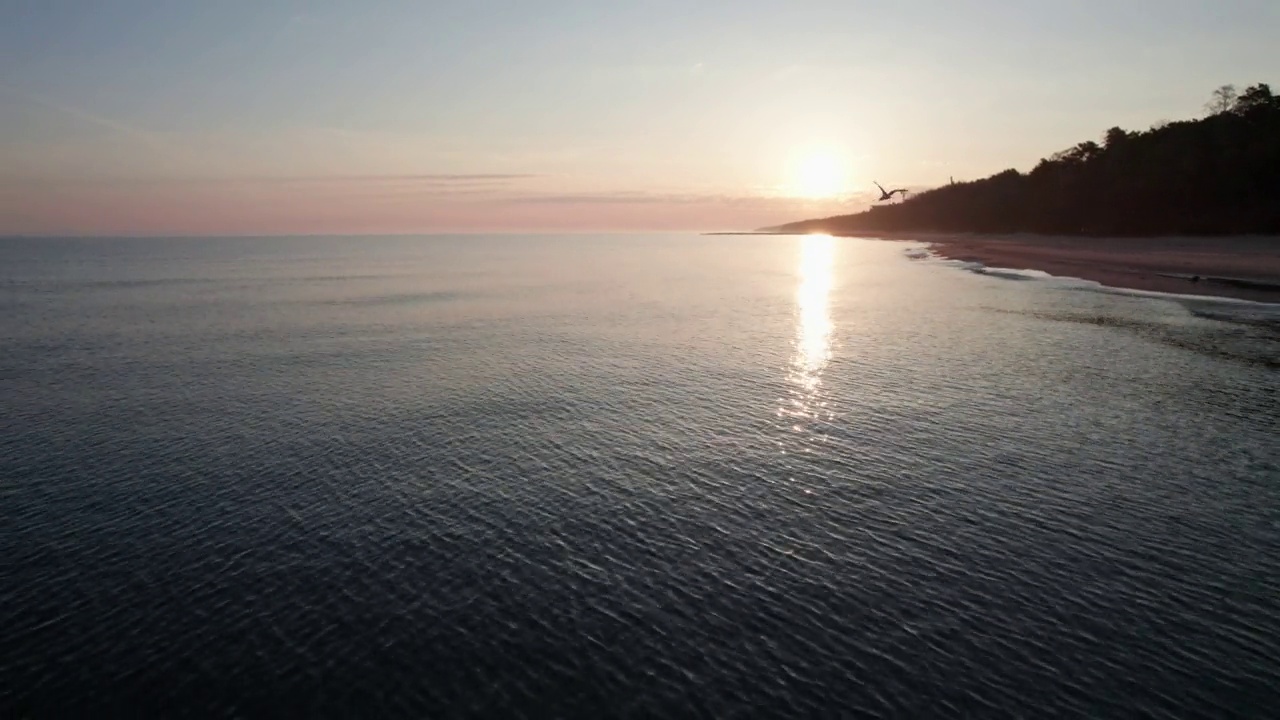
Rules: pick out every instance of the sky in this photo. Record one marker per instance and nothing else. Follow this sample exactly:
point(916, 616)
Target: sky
point(153, 117)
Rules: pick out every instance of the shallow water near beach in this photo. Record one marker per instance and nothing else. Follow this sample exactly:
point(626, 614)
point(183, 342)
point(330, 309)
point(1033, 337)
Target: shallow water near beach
point(597, 476)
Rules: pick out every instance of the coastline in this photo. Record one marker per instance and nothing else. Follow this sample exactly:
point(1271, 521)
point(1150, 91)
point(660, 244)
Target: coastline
point(1241, 267)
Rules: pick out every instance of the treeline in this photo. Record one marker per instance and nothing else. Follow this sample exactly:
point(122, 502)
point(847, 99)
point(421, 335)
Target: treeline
point(1217, 175)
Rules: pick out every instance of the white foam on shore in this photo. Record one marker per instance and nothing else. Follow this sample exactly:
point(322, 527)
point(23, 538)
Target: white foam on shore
point(1214, 307)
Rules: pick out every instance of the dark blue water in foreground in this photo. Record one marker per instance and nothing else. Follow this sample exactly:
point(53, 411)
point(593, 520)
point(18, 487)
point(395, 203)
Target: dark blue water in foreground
point(624, 476)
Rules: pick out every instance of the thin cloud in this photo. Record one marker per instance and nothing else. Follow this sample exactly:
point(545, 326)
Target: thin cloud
point(648, 198)
point(153, 141)
point(614, 198)
point(429, 178)
point(103, 121)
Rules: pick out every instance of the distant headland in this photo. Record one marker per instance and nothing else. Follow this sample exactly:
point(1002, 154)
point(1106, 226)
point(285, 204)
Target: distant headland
point(1219, 175)
point(1189, 206)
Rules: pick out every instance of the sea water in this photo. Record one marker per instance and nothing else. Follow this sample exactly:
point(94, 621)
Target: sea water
point(596, 476)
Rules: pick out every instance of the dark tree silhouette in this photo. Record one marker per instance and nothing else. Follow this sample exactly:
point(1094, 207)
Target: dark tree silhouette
point(1222, 100)
point(1213, 176)
point(1254, 98)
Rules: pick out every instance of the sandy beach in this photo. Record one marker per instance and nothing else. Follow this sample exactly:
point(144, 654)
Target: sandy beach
point(1240, 267)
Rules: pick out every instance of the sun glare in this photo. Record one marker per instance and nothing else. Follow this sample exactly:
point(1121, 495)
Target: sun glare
point(817, 259)
point(819, 175)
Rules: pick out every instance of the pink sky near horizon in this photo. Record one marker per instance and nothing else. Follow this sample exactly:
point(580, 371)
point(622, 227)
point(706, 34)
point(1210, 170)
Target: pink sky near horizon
point(378, 206)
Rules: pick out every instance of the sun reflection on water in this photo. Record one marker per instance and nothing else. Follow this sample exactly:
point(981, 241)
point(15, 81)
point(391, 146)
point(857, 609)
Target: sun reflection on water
point(813, 330)
point(813, 300)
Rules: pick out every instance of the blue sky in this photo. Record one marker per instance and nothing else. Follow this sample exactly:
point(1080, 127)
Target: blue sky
point(334, 116)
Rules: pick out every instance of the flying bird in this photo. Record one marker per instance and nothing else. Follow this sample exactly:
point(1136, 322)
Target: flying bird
point(888, 194)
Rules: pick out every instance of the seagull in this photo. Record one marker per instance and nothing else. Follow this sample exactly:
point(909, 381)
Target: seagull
point(888, 194)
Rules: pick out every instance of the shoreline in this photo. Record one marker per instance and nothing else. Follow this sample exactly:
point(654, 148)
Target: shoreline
point(1240, 267)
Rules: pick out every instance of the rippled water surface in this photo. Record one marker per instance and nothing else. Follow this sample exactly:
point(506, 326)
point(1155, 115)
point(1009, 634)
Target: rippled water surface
point(626, 476)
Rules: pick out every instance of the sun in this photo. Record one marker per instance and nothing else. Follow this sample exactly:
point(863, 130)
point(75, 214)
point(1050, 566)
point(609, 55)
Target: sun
point(818, 175)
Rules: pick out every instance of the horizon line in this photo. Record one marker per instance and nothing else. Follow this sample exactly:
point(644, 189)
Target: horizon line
point(434, 233)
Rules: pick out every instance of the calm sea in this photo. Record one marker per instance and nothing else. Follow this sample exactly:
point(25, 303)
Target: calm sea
point(606, 476)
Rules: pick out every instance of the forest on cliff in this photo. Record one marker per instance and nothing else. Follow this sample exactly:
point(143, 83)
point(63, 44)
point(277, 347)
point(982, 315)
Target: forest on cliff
point(1216, 175)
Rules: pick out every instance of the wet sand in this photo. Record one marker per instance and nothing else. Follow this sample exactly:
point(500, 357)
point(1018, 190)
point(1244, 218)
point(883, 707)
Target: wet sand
point(1241, 267)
